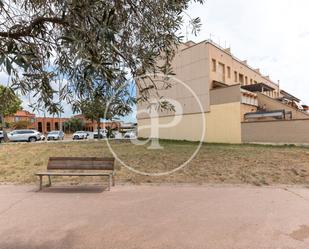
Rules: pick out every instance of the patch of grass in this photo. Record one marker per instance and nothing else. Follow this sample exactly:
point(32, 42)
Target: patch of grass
point(215, 163)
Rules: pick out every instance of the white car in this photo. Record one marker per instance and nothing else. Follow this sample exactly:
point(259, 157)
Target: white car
point(24, 135)
point(117, 135)
point(130, 135)
point(55, 135)
point(80, 135)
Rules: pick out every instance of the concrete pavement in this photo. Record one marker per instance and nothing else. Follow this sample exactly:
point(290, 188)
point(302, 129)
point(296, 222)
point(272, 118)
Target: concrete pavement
point(171, 217)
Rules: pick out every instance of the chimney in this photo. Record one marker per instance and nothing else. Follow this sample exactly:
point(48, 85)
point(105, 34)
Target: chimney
point(245, 62)
point(258, 70)
point(228, 50)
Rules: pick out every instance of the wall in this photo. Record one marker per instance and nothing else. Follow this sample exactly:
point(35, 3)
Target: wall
point(222, 125)
point(246, 109)
point(191, 67)
point(189, 128)
point(222, 122)
point(272, 105)
point(284, 131)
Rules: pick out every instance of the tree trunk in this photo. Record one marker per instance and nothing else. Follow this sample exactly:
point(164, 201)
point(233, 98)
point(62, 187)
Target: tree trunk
point(5, 137)
point(99, 129)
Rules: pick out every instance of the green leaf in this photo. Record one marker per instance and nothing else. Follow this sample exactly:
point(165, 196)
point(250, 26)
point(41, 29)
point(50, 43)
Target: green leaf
point(8, 66)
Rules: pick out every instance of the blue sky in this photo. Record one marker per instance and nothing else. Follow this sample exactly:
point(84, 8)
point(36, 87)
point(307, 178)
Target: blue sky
point(272, 35)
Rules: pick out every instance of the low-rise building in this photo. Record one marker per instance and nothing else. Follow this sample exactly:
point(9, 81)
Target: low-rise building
point(46, 124)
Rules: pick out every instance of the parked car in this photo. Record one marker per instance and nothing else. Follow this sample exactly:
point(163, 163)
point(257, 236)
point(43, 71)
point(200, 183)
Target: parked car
point(103, 134)
point(24, 135)
point(55, 135)
point(1, 137)
point(43, 138)
point(80, 135)
point(130, 134)
point(117, 135)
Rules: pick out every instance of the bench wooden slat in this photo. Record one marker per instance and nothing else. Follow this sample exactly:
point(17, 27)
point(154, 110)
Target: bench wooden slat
point(71, 174)
point(80, 163)
point(82, 158)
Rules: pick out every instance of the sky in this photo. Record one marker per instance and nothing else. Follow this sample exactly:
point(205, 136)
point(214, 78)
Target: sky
point(272, 35)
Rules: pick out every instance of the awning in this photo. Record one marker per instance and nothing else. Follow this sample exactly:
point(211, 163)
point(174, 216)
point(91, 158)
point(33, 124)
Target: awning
point(258, 87)
point(218, 84)
point(289, 96)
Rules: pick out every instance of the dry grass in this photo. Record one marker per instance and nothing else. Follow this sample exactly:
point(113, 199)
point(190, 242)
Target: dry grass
point(250, 164)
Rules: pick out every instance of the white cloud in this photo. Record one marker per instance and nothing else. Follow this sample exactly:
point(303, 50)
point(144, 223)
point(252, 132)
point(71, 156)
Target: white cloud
point(272, 35)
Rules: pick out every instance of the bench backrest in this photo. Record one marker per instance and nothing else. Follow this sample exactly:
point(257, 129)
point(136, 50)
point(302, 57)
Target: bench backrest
point(81, 163)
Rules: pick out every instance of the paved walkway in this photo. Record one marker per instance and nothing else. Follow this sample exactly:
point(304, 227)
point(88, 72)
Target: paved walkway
point(189, 217)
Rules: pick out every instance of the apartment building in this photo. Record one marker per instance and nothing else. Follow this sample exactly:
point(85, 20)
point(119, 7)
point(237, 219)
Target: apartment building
point(233, 97)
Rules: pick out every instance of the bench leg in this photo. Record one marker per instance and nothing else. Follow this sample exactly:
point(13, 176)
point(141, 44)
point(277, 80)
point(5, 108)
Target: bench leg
point(110, 182)
point(41, 183)
point(49, 181)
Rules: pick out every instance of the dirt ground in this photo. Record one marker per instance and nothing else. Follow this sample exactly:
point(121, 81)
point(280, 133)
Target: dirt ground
point(214, 163)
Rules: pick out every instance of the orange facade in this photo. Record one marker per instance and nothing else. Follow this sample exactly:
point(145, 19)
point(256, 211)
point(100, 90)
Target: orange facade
point(92, 125)
point(46, 124)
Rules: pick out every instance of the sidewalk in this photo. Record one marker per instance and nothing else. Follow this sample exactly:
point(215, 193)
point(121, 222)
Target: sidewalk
point(188, 217)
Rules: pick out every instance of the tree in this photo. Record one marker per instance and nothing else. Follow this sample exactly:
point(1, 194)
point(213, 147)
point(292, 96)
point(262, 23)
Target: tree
point(106, 102)
point(87, 41)
point(74, 124)
point(22, 124)
point(9, 103)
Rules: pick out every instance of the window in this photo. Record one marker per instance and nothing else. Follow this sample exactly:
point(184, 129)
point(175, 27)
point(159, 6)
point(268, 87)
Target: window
point(32, 120)
point(229, 72)
point(246, 80)
point(25, 132)
point(48, 126)
point(235, 76)
point(255, 82)
point(214, 65)
point(17, 119)
point(56, 126)
point(40, 127)
point(251, 81)
point(221, 72)
point(241, 78)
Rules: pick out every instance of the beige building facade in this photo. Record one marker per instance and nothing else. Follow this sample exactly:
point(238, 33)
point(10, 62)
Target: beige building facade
point(217, 94)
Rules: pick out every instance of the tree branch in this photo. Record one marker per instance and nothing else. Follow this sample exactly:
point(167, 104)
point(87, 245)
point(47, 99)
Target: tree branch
point(26, 31)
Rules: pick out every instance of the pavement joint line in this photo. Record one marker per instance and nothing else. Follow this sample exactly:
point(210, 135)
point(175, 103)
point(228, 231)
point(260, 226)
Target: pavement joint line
point(15, 203)
point(296, 194)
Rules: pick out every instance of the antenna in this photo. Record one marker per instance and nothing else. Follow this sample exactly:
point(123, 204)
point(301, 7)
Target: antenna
point(187, 33)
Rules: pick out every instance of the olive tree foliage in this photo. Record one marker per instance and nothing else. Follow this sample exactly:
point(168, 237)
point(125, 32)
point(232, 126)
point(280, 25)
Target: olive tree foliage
point(9, 103)
point(87, 42)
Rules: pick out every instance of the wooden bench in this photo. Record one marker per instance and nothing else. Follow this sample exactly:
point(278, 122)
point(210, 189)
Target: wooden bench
point(70, 164)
